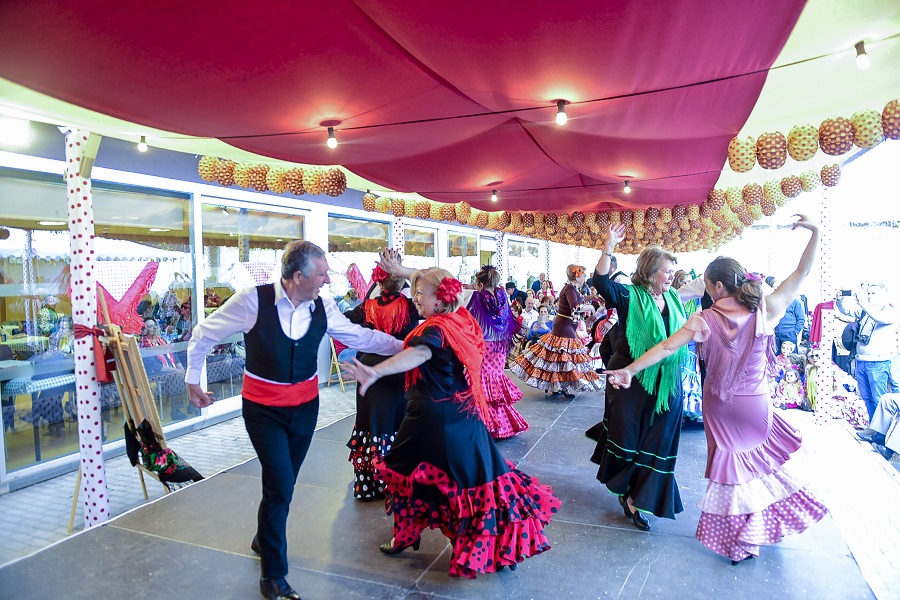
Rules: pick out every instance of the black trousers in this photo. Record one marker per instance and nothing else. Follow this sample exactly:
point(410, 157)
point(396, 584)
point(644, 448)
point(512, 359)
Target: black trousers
point(281, 438)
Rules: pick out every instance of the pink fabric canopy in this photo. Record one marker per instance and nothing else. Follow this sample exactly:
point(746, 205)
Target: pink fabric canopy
point(450, 100)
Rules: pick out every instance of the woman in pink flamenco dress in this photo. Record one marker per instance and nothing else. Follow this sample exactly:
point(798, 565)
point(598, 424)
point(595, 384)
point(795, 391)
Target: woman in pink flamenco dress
point(752, 498)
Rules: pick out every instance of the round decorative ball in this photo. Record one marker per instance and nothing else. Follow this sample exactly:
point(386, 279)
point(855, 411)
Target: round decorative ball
point(734, 196)
point(334, 182)
point(225, 172)
point(867, 129)
point(312, 181)
point(448, 212)
point(502, 223)
point(481, 221)
point(831, 175)
point(206, 168)
point(679, 212)
point(383, 204)
point(771, 150)
point(768, 207)
point(810, 180)
point(423, 209)
point(742, 154)
point(890, 119)
point(693, 211)
point(368, 202)
point(836, 136)
point(462, 211)
point(752, 194)
point(791, 186)
point(716, 199)
point(242, 174)
point(803, 142)
point(577, 218)
point(398, 207)
point(294, 181)
point(435, 211)
point(528, 220)
point(256, 177)
point(275, 179)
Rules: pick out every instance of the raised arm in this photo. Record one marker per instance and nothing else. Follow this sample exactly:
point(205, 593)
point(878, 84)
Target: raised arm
point(778, 301)
point(615, 235)
point(621, 378)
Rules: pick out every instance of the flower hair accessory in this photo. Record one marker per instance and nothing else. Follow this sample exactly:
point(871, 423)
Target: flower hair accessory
point(748, 276)
point(577, 272)
point(449, 290)
point(379, 274)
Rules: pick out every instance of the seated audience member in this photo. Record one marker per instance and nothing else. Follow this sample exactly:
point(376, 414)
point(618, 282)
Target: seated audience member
point(542, 325)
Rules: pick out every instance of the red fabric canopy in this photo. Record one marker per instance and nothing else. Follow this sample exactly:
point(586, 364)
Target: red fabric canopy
point(432, 97)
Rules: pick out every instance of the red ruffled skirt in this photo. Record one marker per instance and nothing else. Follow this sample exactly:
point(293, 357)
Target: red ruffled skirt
point(494, 525)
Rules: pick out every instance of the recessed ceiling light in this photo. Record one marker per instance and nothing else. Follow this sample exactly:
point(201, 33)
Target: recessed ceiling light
point(51, 223)
point(158, 229)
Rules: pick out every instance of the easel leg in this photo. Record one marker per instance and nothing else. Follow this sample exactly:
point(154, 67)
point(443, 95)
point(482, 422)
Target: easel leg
point(75, 500)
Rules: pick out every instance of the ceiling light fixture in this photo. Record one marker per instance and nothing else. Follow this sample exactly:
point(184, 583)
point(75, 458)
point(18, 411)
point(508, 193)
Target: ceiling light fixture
point(14, 132)
point(142, 145)
point(561, 117)
point(862, 59)
point(627, 187)
point(493, 195)
point(51, 223)
point(332, 141)
point(155, 229)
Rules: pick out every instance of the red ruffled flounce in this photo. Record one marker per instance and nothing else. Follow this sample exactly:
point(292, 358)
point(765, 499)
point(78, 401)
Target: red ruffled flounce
point(497, 524)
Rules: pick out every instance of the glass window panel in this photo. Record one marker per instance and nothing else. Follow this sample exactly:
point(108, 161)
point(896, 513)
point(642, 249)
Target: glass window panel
point(353, 242)
point(242, 248)
point(487, 250)
point(419, 248)
point(142, 248)
point(523, 259)
point(462, 252)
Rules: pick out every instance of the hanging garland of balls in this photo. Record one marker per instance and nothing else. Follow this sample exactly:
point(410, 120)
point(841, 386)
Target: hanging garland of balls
point(275, 178)
point(683, 228)
point(834, 136)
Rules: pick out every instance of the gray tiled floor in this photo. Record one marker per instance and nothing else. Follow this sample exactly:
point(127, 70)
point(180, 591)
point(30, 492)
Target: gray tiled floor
point(595, 553)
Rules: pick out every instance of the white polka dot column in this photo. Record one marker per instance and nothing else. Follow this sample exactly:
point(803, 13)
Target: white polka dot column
point(94, 492)
point(500, 256)
point(824, 377)
point(398, 235)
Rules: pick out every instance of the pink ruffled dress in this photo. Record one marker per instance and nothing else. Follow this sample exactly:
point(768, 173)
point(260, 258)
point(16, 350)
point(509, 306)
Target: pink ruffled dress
point(752, 498)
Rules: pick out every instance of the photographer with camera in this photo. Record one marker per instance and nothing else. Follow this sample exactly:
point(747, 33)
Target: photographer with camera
point(876, 338)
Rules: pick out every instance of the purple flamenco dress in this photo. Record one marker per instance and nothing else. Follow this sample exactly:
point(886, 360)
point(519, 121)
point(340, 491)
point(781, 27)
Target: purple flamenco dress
point(499, 325)
point(752, 498)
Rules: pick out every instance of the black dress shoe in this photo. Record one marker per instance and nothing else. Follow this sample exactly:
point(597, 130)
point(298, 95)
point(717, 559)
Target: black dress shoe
point(886, 452)
point(639, 520)
point(277, 588)
point(734, 562)
point(391, 547)
point(874, 437)
point(623, 501)
point(254, 545)
point(568, 394)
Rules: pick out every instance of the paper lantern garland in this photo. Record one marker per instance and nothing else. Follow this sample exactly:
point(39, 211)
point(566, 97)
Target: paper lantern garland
point(741, 154)
point(836, 136)
point(831, 175)
point(803, 142)
point(867, 128)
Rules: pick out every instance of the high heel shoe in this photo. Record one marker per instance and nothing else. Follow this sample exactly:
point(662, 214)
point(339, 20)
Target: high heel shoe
point(390, 548)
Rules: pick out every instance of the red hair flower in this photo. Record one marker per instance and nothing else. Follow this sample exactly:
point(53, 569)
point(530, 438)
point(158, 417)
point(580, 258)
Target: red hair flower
point(379, 274)
point(449, 290)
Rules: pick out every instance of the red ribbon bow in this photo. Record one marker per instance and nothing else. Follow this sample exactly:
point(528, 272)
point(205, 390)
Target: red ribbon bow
point(104, 375)
point(449, 290)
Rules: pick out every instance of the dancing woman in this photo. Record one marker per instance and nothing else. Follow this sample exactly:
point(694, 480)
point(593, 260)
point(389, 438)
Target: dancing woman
point(637, 441)
point(558, 361)
point(752, 498)
point(378, 415)
point(490, 307)
point(444, 470)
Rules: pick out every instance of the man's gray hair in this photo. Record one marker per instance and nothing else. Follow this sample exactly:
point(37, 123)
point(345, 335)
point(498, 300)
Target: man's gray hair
point(298, 256)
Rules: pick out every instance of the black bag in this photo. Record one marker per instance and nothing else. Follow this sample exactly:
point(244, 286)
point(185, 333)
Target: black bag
point(849, 337)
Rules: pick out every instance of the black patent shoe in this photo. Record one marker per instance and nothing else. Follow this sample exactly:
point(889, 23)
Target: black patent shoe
point(277, 588)
point(873, 438)
point(568, 394)
point(640, 521)
point(734, 562)
point(623, 501)
point(512, 567)
point(391, 548)
point(254, 544)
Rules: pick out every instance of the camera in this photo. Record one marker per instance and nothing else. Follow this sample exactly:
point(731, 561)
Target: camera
point(846, 293)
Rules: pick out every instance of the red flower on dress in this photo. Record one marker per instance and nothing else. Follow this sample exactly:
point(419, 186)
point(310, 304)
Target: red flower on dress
point(449, 290)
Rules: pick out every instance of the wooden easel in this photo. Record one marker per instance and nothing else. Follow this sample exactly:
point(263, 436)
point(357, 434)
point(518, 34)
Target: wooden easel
point(336, 368)
point(136, 396)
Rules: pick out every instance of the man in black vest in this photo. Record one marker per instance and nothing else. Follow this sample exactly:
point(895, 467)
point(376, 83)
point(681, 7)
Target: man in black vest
point(283, 325)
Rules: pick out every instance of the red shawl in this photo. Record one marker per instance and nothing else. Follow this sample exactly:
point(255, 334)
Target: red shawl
point(388, 313)
point(466, 339)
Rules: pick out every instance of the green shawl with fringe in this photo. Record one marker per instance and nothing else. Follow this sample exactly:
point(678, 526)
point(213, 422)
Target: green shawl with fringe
point(645, 329)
